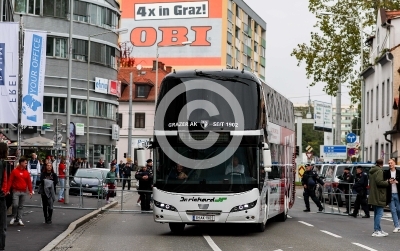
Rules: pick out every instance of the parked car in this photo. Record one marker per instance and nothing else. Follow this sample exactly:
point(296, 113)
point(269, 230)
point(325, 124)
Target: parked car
point(90, 182)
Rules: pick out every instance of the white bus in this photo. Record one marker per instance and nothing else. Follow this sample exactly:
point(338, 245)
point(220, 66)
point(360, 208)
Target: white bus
point(250, 181)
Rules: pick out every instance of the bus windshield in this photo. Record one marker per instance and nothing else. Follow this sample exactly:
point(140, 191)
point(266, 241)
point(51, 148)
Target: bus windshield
point(249, 104)
point(238, 173)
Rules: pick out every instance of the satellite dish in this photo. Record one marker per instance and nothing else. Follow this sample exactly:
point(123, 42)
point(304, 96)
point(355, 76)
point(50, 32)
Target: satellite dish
point(139, 67)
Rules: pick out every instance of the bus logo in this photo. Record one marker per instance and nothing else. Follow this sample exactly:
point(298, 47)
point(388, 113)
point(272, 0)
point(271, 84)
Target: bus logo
point(204, 124)
point(199, 199)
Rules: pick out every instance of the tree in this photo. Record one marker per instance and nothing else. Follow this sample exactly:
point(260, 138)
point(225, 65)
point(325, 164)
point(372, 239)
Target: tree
point(333, 53)
point(356, 124)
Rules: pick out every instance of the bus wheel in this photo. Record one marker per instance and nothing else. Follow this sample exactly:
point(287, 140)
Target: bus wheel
point(177, 228)
point(260, 227)
point(282, 216)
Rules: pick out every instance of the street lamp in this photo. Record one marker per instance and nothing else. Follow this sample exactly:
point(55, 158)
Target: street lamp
point(182, 44)
point(118, 31)
point(339, 92)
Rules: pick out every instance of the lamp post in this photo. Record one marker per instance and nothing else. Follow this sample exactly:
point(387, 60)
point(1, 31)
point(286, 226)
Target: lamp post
point(338, 109)
point(182, 44)
point(119, 31)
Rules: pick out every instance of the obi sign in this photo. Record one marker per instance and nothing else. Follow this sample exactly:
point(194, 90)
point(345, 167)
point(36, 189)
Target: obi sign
point(154, 23)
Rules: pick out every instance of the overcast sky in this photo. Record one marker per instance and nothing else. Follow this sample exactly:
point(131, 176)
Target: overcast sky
point(289, 23)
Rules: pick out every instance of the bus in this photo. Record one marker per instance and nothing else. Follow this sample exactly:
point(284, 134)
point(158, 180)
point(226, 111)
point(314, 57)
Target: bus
point(223, 150)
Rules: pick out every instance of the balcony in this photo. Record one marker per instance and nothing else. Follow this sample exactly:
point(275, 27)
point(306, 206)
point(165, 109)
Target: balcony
point(248, 50)
point(238, 22)
point(237, 43)
point(263, 43)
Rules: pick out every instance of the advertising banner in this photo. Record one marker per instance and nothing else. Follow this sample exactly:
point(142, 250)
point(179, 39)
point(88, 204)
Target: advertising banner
point(72, 141)
point(168, 23)
point(34, 66)
point(79, 129)
point(322, 116)
point(101, 85)
point(9, 56)
point(113, 87)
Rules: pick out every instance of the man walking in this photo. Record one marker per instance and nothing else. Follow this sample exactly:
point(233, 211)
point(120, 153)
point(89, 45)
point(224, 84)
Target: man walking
point(20, 181)
point(126, 175)
point(309, 182)
point(377, 196)
point(360, 187)
point(346, 181)
point(34, 169)
point(393, 194)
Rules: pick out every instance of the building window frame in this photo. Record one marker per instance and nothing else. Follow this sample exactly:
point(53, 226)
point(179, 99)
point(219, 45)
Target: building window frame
point(140, 120)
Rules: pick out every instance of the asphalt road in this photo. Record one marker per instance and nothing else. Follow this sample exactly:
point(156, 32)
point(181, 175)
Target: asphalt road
point(302, 231)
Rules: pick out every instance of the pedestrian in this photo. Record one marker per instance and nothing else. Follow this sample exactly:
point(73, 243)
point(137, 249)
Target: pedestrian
point(135, 166)
point(121, 166)
point(48, 183)
point(19, 182)
point(149, 165)
point(393, 194)
point(100, 164)
point(360, 188)
point(126, 175)
point(3, 192)
point(377, 196)
point(85, 163)
point(110, 180)
point(34, 169)
point(61, 179)
point(145, 177)
point(309, 182)
point(346, 181)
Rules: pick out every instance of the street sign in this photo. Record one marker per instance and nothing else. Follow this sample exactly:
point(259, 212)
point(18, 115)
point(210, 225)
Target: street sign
point(309, 148)
point(351, 137)
point(309, 155)
point(337, 151)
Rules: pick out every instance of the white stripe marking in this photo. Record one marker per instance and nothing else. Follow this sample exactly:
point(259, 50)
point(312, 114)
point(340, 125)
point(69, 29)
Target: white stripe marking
point(290, 217)
point(387, 219)
point(334, 235)
point(278, 250)
point(299, 197)
point(212, 244)
point(305, 223)
point(363, 246)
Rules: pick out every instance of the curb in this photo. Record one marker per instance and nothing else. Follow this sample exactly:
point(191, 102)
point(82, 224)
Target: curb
point(74, 225)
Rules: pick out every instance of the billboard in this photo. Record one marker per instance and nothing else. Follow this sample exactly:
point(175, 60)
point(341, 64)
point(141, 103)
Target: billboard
point(101, 85)
point(322, 116)
point(167, 23)
point(34, 67)
point(9, 71)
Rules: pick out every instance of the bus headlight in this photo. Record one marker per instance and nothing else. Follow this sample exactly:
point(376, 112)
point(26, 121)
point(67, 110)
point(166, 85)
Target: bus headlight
point(244, 206)
point(164, 206)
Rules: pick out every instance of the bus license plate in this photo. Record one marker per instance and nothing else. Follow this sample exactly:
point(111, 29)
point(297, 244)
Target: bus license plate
point(87, 194)
point(203, 218)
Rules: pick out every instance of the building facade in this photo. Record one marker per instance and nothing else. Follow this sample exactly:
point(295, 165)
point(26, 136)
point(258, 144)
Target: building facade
point(143, 111)
point(381, 80)
point(224, 33)
point(89, 18)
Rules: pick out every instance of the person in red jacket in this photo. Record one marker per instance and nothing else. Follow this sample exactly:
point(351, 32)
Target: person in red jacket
point(19, 182)
point(61, 179)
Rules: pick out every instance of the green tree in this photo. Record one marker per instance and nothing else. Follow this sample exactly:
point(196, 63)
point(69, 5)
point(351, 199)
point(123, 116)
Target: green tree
point(333, 53)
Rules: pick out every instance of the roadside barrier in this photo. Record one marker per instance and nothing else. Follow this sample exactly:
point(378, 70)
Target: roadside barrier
point(334, 193)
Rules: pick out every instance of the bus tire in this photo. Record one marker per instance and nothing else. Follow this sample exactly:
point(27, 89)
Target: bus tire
point(260, 227)
point(177, 228)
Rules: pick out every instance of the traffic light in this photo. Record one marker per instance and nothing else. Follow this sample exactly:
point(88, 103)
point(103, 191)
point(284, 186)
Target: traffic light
point(297, 150)
point(125, 155)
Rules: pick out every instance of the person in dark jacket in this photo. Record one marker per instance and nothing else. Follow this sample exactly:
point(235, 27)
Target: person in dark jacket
point(48, 174)
point(377, 196)
point(145, 177)
point(126, 175)
point(393, 193)
point(309, 182)
point(346, 181)
point(360, 187)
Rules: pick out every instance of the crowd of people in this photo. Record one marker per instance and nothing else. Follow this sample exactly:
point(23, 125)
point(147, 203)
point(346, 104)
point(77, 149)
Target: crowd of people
point(377, 188)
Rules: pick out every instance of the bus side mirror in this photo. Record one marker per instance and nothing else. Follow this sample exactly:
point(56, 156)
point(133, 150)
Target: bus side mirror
point(267, 160)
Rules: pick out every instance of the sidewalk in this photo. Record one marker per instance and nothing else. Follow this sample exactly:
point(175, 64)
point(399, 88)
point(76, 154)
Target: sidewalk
point(36, 234)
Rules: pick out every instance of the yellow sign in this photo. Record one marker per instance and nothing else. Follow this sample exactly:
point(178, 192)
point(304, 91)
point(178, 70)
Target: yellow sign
point(301, 171)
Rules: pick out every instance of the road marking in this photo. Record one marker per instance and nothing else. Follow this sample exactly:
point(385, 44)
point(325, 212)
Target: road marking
point(305, 223)
point(332, 234)
point(387, 219)
point(278, 250)
point(299, 197)
point(210, 242)
point(363, 246)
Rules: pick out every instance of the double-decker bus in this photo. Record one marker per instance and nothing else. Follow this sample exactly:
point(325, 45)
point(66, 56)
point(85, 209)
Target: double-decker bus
point(217, 158)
